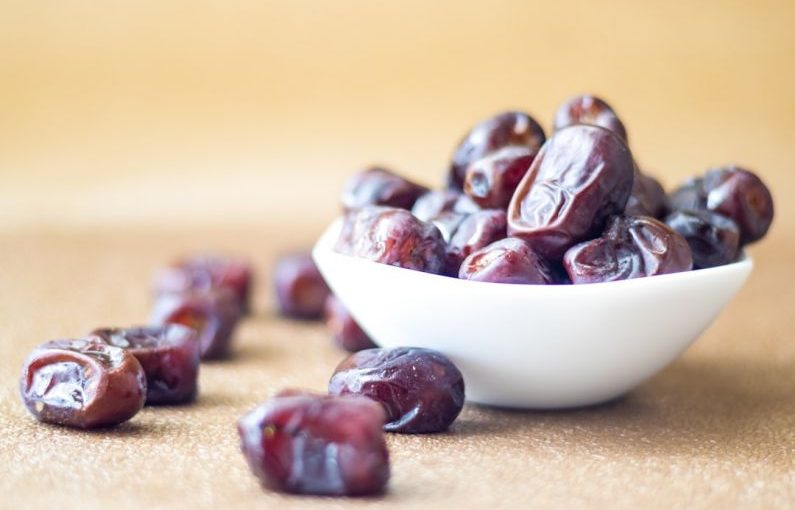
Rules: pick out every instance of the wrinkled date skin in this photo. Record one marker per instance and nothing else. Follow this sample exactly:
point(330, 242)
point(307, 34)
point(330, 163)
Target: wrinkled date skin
point(421, 390)
point(378, 186)
point(301, 291)
point(509, 260)
point(491, 181)
point(589, 110)
point(205, 273)
point(509, 128)
point(213, 315)
point(435, 203)
point(647, 198)
point(581, 176)
point(317, 444)
point(168, 354)
point(713, 238)
point(394, 237)
point(475, 232)
point(734, 192)
point(83, 384)
point(345, 330)
point(631, 247)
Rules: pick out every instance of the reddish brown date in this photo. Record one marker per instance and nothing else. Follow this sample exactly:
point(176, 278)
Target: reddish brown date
point(378, 186)
point(589, 110)
point(475, 232)
point(83, 384)
point(647, 198)
point(581, 176)
point(421, 390)
point(213, 315)
point(322, 445)
point(509, 128)
point(206, 273)
point(510, 260)
point(301, 291)
point(713, 238)
point(168, 354)
point(491, 180)
point(435, 203)
point(631, 247)
point(394, 237)
point(345, 330)
point(734, 192)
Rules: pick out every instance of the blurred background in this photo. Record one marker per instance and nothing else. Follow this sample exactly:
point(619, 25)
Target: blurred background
point(249, 112)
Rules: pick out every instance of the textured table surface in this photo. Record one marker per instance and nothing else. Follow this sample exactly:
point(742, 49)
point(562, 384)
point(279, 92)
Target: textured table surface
point(714, 430)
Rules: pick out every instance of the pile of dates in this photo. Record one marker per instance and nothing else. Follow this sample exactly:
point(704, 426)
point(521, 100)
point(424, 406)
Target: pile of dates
point(105, 377)
point(574, 207)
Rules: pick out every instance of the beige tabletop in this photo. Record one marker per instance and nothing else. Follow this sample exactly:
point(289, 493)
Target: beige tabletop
point(131, 133)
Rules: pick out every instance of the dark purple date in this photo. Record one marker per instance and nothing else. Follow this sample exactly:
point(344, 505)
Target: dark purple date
point(581, 176)
point(82, 383)
point(492, 180)
point(713, 238)
point(301, 443)
point(631, 247)
point(589, 110)
point(378, 186)
point(509, 128)
point(510, 260)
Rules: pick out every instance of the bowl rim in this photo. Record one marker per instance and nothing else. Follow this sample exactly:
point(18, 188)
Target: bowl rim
point(324, 248)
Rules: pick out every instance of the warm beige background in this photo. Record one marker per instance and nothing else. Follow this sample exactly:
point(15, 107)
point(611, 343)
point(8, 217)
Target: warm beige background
point(195, 111)
point(134, 131)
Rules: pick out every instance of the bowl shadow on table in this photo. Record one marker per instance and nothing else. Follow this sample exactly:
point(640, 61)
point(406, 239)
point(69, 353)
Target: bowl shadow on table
point(691, 404)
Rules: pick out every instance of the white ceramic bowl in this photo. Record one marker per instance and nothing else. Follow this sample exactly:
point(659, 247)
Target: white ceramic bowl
point(534, 346)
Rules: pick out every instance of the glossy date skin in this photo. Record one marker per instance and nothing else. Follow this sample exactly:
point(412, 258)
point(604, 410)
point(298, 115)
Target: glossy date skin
point(421, 390)
point(81, 383)
point(394, 237)
point(647, 197)
point(438, 202)
point(492, 180)
point(302, 443)
point(213, 315)
point(734, 192)
point(343, 327)
point(502, 130)
point(591, 110)
point(301, 291)
point(511, 260)
point(580, 177)
point(475, 232)
point(631, 247)
point(168, 354)
point(379, 186)
point(207, 273)
point(713, 238)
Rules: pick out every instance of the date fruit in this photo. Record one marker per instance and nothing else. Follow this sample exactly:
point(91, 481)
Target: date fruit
point(81, 383)
point(317, 444)
point(379, 186)
point(631, 247)
point(475, 232)
point(301, 291)
point(205, 273)
point(647, 198)
point(435, 203)
point(213, 315)
point(491, 180)
point(734, 192)
point(345, 330)
point(421, 390)
point(510, 260)
point(589, 110)
point(713, 238)
point(394, 237)
point(168, 354)
point(509, 128)
point(580, 177)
